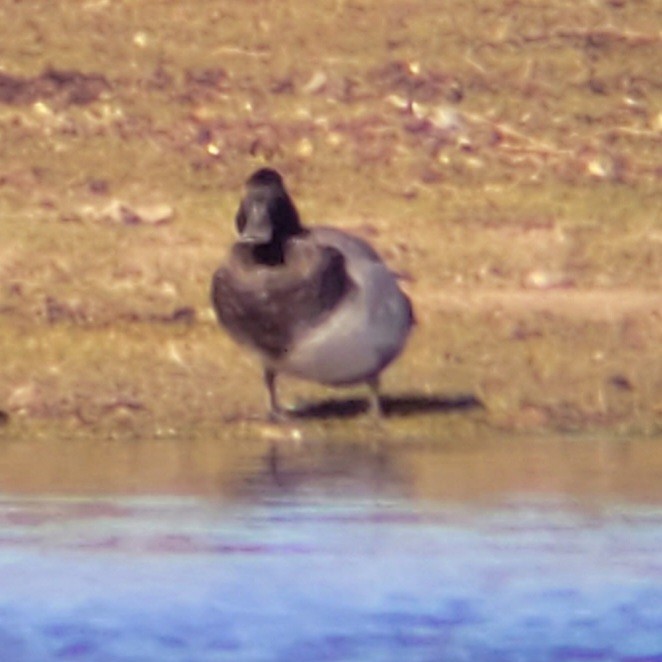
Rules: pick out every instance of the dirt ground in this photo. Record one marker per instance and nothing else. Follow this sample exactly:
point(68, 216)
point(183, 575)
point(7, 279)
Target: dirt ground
point(505, 160)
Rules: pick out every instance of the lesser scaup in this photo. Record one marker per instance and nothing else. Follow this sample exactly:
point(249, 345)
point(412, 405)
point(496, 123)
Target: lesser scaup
point(315, 303)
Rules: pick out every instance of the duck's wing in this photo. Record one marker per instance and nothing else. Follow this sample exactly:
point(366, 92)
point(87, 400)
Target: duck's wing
point(370, 274)
point(366, 331)
point(266, 307)
point(352, 247)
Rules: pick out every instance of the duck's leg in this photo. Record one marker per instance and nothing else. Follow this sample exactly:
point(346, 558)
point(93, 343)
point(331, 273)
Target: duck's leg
point(276, 412)
point(375, 408)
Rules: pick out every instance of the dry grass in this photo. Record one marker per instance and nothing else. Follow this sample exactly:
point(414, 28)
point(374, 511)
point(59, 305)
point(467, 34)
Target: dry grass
point(493, 155)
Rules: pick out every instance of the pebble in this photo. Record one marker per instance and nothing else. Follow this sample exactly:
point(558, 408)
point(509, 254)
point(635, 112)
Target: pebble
point(121, 212)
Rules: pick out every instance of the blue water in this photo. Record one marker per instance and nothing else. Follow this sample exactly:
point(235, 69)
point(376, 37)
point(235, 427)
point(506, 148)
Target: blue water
point(316, 576)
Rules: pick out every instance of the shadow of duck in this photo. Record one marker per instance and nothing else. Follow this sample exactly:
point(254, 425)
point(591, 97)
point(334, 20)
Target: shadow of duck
point(403, 405)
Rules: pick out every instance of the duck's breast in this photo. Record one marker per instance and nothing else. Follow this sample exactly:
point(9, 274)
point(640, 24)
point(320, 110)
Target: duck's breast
point(269, 307)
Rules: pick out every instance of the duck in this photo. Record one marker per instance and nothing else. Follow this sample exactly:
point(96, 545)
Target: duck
point(316, 303)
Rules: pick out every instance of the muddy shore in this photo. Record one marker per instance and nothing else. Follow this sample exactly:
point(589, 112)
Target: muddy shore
point(505, 161)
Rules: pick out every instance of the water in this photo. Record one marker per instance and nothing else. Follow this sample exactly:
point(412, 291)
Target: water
point(340, 553)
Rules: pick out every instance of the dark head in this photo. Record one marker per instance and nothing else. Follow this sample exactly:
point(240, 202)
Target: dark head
point(266, 214)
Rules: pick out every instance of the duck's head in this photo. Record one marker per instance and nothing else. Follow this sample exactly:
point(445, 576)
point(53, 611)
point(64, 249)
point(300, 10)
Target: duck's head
point(266, 214)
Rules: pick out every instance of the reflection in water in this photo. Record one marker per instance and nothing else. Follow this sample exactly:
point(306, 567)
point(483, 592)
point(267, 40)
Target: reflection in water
point(467, 469)
point(533, 550)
